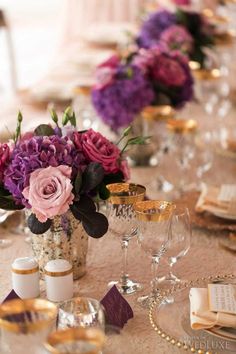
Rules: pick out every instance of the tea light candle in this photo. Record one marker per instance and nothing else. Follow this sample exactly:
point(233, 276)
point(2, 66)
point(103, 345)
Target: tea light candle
point(25, 277)
point(59, 280)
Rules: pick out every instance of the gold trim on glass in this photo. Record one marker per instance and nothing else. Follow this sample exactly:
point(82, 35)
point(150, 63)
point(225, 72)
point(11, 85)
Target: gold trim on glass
point(182, 126)
point(58, 274)
point(154, 210)
point(207, 74)
point(157, 113)
point(83, 90)
point(92, 335)
point(17, 307)
point(25, 271)
point(125, 193)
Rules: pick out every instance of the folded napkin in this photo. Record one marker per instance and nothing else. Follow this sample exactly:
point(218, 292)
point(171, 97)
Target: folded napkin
point(202, 317)
point(209, 201)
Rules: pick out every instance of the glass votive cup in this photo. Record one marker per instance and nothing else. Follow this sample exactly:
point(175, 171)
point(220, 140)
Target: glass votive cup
point(81, 311)
point(25, 324)
point(76, 341)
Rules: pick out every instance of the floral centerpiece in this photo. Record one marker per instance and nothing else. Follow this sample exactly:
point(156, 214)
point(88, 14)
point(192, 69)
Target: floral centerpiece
point(58, 174)
point(189, 32)
point(125, 86)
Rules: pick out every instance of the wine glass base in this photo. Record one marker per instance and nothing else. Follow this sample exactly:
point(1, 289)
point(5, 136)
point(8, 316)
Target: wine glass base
point(129, 288)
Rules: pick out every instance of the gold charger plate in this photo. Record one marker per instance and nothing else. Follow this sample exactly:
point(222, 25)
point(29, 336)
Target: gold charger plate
point(205, 219)
point(171, 321)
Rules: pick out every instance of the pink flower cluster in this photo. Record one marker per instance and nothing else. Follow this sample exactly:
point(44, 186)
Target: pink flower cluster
point(160, 66)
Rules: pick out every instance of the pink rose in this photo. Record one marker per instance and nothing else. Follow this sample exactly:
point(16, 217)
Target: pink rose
point(49, 192)
point(169, 72)
point(4, 159)
point(125, 169)
point(98, 149)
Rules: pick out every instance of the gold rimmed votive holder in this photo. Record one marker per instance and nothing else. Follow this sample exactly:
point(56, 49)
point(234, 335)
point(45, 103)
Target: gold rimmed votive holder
point(154, 221)
point(182, 126)
point(76, 341)
point(28, 320)
point(122, 223)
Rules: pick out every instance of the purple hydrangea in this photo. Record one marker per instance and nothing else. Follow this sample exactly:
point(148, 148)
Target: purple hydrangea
point(39, 152)
point(128, 93)
point(154, 26)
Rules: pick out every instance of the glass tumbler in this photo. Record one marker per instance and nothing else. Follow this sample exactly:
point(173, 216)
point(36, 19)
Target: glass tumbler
point(81, 311)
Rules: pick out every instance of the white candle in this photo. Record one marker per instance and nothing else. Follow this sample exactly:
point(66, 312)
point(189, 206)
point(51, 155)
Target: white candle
point(59, 280)
point(25, 277)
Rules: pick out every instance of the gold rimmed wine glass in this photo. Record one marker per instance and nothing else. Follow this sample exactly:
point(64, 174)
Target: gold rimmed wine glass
point(122, 222)
point(26, 321)
point(154, 221)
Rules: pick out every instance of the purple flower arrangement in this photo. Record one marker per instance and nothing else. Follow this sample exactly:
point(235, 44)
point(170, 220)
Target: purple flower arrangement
point(121, 93)
point(56, 169)
point(188, 32)
point(155, 76)
point(169, 75)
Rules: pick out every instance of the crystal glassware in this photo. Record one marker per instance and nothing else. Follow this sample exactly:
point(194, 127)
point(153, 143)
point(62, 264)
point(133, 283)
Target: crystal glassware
point(81, 311)
point(25, 324)
point(121, 217)
point(76, 341)
point(179, 241)
point(154, 220)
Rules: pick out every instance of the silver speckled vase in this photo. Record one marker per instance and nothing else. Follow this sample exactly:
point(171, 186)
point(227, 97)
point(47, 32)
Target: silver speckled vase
point(65, 239)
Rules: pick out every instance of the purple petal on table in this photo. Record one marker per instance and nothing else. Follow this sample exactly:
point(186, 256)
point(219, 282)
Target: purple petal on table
point(11, 296)
point(117, 309)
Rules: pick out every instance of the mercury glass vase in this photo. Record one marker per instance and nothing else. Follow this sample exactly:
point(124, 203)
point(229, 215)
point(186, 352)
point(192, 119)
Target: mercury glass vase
point(151, 122)
point(66, 239)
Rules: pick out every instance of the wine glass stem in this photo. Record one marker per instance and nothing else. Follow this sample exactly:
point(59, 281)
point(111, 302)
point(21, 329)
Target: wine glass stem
point(154, 282)
point(125, 275)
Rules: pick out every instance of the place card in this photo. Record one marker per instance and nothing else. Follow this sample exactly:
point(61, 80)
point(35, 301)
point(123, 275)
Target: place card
point(222, 298)
point(117, 309)
point(227, 192)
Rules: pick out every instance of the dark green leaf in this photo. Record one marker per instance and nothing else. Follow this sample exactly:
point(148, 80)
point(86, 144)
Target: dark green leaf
point(95, 224)
point(84, 205)
point(78, 182)
point(7, 203)
point(92, 176)
point(37, 227)
point(113, 178)
point(3, 191)
point(104, 192)
point(44, 130)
